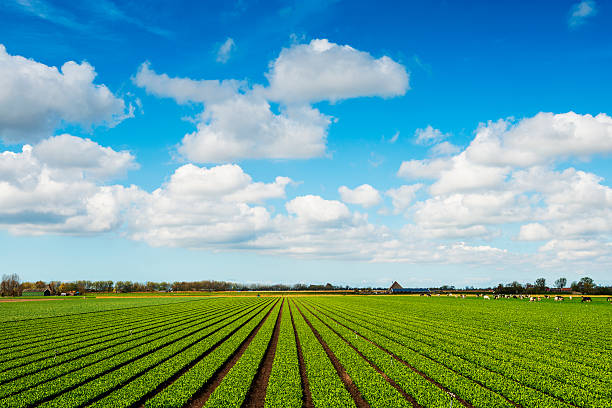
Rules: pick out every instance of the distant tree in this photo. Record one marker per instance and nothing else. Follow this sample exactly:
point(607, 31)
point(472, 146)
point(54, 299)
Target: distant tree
point(540, 285)
point(560, 283)
point(10, 285)
point(586, 285)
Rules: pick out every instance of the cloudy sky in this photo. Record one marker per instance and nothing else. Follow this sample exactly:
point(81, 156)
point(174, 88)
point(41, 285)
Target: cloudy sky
point(466, 143)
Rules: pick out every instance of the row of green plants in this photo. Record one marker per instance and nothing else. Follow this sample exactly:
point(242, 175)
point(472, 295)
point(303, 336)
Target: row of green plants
point(52, 353)
point(467, 389)
point(514, 390)
point(236, 383)
point(46, 370)
point(164, 345)
point(424, 392)
point(372, 386)
point(184, 388)
point(284, 385)
point(554, 380)
point(326, 388)
point(28, 336)
point(134, 390)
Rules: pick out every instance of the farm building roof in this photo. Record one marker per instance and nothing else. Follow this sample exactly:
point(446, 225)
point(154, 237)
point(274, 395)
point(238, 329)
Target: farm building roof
point(395, 285)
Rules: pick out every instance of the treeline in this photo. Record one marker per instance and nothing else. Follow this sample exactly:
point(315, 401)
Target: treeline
point(585, 285)
point(15, 288)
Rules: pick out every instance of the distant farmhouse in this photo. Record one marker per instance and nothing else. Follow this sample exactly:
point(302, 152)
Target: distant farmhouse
point(397, 288)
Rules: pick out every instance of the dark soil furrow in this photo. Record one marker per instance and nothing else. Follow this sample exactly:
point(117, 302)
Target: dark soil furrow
point(200, 398)
point(306, 396)
point(256, 396)
point(346, 379)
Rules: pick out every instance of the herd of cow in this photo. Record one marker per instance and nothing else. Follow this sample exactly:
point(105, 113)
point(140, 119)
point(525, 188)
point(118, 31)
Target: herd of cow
point(531, 298)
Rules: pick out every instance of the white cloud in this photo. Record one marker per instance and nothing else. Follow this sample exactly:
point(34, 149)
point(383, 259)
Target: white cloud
point(534, 232)
point(322, 70)
point(225, 50)
point(311, 209)
point(240, 122)
point(36, 98)
point(41, 193)
point(69, 153)
point(394, 137)
point(580, 12)
point(364, 195)
point(184, 90)
point(245, 127)
point(541, 139)
point(402, 197)
point(205, 208)
point(429, 135)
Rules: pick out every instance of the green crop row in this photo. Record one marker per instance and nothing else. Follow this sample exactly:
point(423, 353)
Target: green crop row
point(496, 382)
point(73, 332)
point(511, 368)
point(423, 391)
point(51, 368)
point(233, 389)
point(152, 379)
point(71, 352)
point(284, 385)
point(371, 385)
point(159, 348)
point(191, 382)
point(326, 388)
point(507, 344)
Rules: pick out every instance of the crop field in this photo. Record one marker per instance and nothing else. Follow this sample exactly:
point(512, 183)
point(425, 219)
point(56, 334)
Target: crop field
point(321, 351)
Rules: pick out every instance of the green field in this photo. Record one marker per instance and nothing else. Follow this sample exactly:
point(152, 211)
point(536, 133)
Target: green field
point(322, 351)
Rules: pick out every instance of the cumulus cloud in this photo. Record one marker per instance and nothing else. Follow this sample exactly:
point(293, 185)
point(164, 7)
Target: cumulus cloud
point(580, 12)
point(245, 127)
point(277, 121)
point(322, 70)
point(36, 98)
point(541, 139)
point(205, 208)
point(364, 195)
point(69, 153)
point(225, 50)
point(41, 193)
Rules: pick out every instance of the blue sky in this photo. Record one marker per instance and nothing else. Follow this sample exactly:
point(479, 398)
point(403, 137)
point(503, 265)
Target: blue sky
point(349, 142)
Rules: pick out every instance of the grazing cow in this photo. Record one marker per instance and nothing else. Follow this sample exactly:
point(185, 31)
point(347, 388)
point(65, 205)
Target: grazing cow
point(558, 298)
point(514, 297)
point(609, 299)
point(496, 297)
point(586, 299)
point(462, 296)
point(532, 299)
point(486, 297)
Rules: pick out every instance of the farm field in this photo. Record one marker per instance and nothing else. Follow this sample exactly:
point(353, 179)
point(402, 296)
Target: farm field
point(321, 351)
